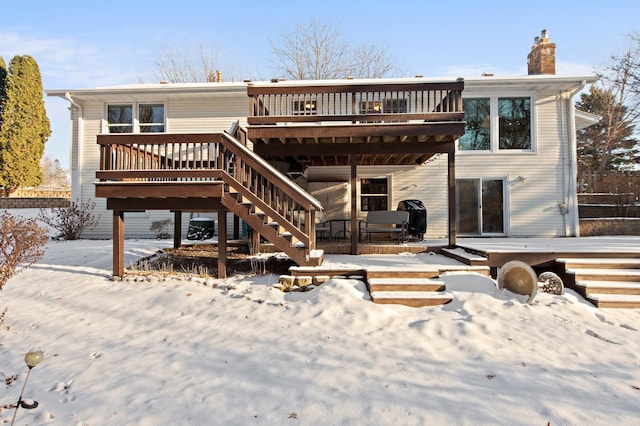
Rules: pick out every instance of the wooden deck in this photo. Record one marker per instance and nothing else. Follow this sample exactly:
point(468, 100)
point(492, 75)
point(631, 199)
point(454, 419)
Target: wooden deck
point(542, 252)
point(604, 270)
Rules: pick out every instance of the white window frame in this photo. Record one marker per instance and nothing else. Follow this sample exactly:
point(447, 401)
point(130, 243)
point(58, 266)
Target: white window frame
point(135, 111)
point(494, 130)
point(389, 193)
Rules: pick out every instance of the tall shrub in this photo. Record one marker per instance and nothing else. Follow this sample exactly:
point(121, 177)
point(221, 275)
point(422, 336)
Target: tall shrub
point(22, 243)
point(25, 127)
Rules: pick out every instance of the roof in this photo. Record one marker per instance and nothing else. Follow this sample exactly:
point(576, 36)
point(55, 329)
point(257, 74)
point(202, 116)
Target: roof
point(585, 119)
point(523, 82)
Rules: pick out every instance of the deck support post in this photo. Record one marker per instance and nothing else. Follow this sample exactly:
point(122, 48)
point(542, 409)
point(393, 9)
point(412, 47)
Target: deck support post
point(236, 227)
point(354, 204)
point(177, 228)
point(118, 243)
point(451, 176)
point(222, 244)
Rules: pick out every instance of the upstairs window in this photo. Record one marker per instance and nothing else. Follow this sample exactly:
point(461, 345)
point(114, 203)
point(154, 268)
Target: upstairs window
point(477, 135)
point(370, 107)
point(497, 124)
point(515, 123)
point(305, 107)
point(120, 118)
point(386, 106)
point(151, 118)
point(148, 118)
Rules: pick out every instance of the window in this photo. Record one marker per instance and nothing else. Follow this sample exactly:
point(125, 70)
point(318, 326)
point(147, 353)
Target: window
point(497, 123)
point(395, 106)
point(374, 194)
point(370, 107)
point(305, 107)
point(149, 118)
point(386, 106)
point(120, 118)
point(515, 123)
point(477, 135)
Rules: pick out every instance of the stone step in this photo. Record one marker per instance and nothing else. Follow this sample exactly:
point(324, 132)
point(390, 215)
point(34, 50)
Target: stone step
point(623, 301)
point(411, 298)
point(609, 287)
point(405, 284)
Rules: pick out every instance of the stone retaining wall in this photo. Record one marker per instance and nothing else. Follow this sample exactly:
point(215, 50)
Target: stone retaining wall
point(609, 226)
point(33, 203)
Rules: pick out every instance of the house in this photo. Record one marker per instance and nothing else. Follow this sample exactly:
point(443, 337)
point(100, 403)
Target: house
point(488, 155)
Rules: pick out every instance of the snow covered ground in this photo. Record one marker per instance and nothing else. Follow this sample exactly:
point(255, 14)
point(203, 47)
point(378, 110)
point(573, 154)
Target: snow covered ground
point(240, 352)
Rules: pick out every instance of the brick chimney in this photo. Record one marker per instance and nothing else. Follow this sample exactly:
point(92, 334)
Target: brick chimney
point(542, 58)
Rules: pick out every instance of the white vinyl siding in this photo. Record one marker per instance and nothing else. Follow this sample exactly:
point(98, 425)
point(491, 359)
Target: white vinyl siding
point(534, 180)
point(207, 113)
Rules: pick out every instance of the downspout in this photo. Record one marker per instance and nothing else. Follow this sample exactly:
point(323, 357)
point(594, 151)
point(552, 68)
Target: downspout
point(571, 200)
point(76, 177)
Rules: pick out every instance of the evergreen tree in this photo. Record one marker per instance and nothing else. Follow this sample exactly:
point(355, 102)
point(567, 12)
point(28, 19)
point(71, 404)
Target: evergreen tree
point(3, 82)
point(609, 144)
point(25, 126)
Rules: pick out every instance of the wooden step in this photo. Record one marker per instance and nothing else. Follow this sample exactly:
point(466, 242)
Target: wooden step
point(604, 274)
point(609, 287)
point(316, 257)
point(405, 284)
point(414, 299)
point(329, 271)
point(385, 272)
point(463, 256)
point(623, 301)
point(600, 263)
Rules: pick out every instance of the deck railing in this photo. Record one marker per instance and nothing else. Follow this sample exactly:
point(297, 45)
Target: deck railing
point(356, 103)
point(162, 157)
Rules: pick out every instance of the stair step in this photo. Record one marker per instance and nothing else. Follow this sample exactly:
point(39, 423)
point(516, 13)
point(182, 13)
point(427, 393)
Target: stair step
point(604, 274)
point(624, 301)
point(316, 257)
point(465, 257)
point(385, 272)
point(600, 263)
point(610, 287)
point(412, 298)
point(405, 284)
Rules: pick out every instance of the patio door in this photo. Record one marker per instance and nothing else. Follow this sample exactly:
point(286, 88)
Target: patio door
point(480, 206)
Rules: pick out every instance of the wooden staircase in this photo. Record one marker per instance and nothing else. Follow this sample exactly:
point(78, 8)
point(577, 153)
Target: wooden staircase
point(409, 286)
point(605, 282)
point(270, 203)
point(414, 288)
point(208, 172)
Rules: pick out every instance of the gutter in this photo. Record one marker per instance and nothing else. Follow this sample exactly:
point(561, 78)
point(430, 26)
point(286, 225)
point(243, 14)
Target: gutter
point(76, 176)
point(571, 175)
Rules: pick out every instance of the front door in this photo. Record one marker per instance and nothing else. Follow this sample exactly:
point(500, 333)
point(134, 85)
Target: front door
point(480, 206)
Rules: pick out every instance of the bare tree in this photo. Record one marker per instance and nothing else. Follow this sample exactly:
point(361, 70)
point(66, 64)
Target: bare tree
point(187, 66)
point(317, 51)
point(618, 102)
point(54, 176)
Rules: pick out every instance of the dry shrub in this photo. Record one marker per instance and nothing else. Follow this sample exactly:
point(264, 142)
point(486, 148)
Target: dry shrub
point(22, 243)
point(70, 221)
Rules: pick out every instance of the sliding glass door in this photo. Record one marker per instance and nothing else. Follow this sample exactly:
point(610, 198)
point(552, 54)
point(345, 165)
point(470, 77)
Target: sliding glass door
point(480, 206)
